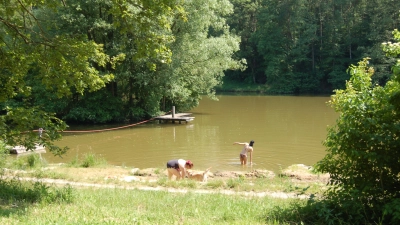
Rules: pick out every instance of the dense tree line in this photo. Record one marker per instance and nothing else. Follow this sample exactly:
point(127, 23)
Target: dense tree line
point(99, 61)
point(305, 46)
point(110, 60)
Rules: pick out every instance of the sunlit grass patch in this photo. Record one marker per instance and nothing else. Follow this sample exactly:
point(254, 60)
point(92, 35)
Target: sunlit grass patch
point(215, 184)
point(50, 174)
point(26, 162)
point(88, 160)
point(91, 160)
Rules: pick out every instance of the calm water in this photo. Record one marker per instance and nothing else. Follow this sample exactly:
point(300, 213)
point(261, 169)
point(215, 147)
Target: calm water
point(286, 130)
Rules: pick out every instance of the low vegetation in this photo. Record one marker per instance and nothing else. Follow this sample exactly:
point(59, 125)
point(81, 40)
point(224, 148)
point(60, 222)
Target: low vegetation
point(34, 192)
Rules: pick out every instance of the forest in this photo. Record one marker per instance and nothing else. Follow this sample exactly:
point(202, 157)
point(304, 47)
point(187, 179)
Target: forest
point(102, 61)
point(306, 46)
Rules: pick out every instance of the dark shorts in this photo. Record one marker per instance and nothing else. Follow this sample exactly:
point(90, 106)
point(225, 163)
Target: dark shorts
point(242, 156)
point(173, 164)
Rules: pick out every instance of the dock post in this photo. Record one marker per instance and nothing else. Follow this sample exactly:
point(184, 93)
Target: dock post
point(173, 111)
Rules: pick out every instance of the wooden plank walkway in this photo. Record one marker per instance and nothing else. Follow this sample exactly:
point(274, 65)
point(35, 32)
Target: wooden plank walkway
point(180, 117)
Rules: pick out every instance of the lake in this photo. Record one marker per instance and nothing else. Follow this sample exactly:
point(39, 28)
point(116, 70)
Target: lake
point(286, 129)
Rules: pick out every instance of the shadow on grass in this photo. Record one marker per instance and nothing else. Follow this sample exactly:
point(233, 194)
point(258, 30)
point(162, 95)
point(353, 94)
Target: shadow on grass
point(16, 194)
point(300, 212)
point(328, 212)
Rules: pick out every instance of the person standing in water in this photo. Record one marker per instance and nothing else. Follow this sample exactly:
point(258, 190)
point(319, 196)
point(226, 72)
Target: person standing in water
point(247, 148)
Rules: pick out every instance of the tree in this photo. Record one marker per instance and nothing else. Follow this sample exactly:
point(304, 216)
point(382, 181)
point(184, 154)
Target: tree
point(64, 62)
point(305, 46)
point(200, 48)
point(243, 22)
point(203, 49)
point(364, 147)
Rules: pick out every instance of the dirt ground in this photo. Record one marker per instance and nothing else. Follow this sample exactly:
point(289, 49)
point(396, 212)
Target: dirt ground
point(298, 172)
point(119, 177)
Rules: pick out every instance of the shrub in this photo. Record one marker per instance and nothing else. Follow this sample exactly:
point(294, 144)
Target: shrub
point(363, 150)
point(15, 190)
point(235, 182)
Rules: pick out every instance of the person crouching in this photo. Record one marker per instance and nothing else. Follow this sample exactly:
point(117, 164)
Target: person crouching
point(178, 167)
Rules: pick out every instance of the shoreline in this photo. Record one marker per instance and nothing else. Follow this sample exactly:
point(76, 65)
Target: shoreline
point(107, 173)
point(291, 182)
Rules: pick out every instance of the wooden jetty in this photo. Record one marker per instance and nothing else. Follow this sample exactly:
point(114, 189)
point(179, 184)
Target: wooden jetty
point(22, 149)
point(175, 117)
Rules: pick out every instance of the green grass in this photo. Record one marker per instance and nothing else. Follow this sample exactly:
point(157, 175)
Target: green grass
point(23, 202)
point(88, 160)
point(32, 166)
point(116, 206)
point(29, 161)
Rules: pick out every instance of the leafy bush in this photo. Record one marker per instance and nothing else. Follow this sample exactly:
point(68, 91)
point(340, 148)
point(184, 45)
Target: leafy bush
point(91, 160)
point(363, 150)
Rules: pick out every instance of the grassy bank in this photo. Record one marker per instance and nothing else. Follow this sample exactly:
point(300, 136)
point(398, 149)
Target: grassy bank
point(112, 199)
point(115, 206)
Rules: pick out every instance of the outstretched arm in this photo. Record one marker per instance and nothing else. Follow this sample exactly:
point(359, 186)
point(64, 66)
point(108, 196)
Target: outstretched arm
point(182, 171)
point(239, 143)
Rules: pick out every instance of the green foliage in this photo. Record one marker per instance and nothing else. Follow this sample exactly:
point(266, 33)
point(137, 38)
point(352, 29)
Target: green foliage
point(88, 160)
point(34, 160)
point(304, 46)
point(202, 50)
point(64, 65)
point(282, 213)
point(234, 182)
point(30, 161)
point(363, 156)
point(393, 49)
point(3, 154)
point(17, 191)
point(96, 107)
point(52, 52)
point(150, 57)
point(91, 160)
point(74, 162)
point(64, 62)
point(20, 127)
point(392, 210)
